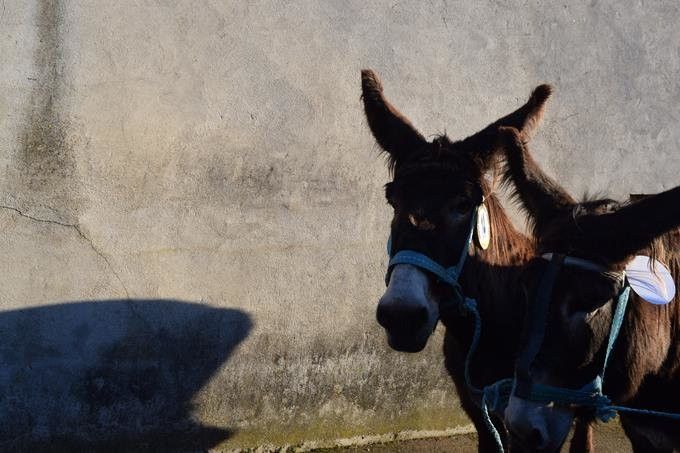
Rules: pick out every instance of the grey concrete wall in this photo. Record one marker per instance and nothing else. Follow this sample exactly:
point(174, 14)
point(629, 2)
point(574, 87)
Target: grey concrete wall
point(192, 216)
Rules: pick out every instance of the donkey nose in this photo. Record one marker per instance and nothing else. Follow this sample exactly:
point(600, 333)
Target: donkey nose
point(401, 316)
point(527, 424)
point(534, 436)
point(538, 439)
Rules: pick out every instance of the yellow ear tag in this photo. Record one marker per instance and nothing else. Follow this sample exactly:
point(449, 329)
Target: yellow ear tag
point(483, 230)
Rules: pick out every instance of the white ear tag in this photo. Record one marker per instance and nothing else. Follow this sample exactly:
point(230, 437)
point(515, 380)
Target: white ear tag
point(655, 285)
point(483, 230)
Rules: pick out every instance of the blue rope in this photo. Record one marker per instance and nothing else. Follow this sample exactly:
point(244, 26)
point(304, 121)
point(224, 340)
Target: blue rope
point(471, 306)
point(617, 322)
point(495, 397)
point(490, 426)
point(632, 410)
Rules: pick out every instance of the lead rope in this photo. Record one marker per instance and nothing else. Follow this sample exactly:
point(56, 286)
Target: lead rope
point(497, 392)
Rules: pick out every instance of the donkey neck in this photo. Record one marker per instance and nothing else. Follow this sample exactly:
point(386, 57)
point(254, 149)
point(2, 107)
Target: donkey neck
point(649, 343)
point(491, 275)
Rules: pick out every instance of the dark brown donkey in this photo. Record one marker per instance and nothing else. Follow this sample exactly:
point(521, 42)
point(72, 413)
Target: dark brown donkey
point(644, 368)
point(435, 190)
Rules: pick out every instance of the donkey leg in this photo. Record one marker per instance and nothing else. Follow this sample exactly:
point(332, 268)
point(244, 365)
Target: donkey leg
point(582, 440)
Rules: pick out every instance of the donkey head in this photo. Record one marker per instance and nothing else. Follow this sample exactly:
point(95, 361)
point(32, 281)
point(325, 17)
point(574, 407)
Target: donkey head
point(435, 189)
point(571, 347)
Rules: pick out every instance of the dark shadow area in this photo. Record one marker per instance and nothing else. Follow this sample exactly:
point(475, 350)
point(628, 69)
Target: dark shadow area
point(115, 375)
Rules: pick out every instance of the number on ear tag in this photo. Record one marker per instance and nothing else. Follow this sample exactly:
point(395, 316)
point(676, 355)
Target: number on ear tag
point(655, 285)
point(483, 230)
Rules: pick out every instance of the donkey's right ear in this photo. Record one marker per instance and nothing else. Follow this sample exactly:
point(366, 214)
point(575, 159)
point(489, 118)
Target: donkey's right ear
point(393, 132)
point(623, 233)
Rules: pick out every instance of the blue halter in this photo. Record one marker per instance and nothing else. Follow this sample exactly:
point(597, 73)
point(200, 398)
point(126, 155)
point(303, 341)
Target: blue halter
point(591, 394)
point(496, 395)
point(449, 275)
point(468, 305)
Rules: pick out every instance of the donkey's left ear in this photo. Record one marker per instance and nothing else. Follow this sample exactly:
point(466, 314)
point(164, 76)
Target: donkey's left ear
point(541, 196)
point(483, 144)
point(621, 234)
point(394, 133)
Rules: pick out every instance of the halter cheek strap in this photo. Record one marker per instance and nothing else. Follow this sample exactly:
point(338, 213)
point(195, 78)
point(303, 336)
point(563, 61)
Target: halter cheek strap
point(591, 394)
point(449, 275)
point(536, 321)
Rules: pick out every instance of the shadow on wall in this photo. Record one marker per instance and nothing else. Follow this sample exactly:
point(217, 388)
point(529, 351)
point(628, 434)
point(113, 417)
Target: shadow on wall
point(115, 374)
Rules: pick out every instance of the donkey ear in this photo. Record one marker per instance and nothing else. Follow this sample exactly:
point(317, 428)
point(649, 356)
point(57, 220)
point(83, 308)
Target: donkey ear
point(393, 132)
point(622, 233)
point(539, 194)
point(525, 119)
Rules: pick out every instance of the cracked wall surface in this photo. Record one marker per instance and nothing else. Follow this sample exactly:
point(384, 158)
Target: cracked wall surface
point(191, 206)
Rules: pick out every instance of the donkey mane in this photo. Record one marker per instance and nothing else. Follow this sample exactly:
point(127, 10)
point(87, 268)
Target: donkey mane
point(441, 153)
point(508, 244)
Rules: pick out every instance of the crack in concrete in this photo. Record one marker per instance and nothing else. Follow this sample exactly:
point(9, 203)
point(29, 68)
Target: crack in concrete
point(101, 254)
point(82, 235)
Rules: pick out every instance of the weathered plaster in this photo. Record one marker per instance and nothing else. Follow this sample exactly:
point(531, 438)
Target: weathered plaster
point(215, 152)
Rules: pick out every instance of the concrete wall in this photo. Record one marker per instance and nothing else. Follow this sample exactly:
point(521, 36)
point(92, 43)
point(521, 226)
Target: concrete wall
point(192, 216)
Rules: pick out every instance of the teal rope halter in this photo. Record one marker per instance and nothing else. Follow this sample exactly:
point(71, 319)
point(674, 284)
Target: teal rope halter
point(497, 395)
point(448, 275)
point(466, 305)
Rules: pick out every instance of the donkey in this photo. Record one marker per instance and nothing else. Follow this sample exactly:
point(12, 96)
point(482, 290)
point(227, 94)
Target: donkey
point(436, 189)
point(601, 237)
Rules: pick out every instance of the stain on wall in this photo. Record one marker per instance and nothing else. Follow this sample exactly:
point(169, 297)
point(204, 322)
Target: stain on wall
point(45, 179)
point(217, 151)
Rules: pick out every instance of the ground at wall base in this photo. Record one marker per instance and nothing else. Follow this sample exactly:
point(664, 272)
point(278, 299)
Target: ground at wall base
point(609, 438)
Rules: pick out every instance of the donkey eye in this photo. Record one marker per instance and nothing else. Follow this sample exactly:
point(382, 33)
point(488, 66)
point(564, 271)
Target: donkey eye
point(461, 206)
point(464, 206)
point(421, 223)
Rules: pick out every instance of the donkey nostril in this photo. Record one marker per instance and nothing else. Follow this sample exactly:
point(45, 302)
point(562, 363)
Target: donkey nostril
point(392, 316)
point(383, 316)
point(537, 439)
point(420, 315)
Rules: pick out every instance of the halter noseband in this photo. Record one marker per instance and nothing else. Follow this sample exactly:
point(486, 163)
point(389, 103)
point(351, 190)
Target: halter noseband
point(448, 275)
point(495, 396)
point(591, 394)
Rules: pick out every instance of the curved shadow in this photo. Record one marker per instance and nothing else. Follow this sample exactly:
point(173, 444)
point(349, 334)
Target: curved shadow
point(111, 375)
